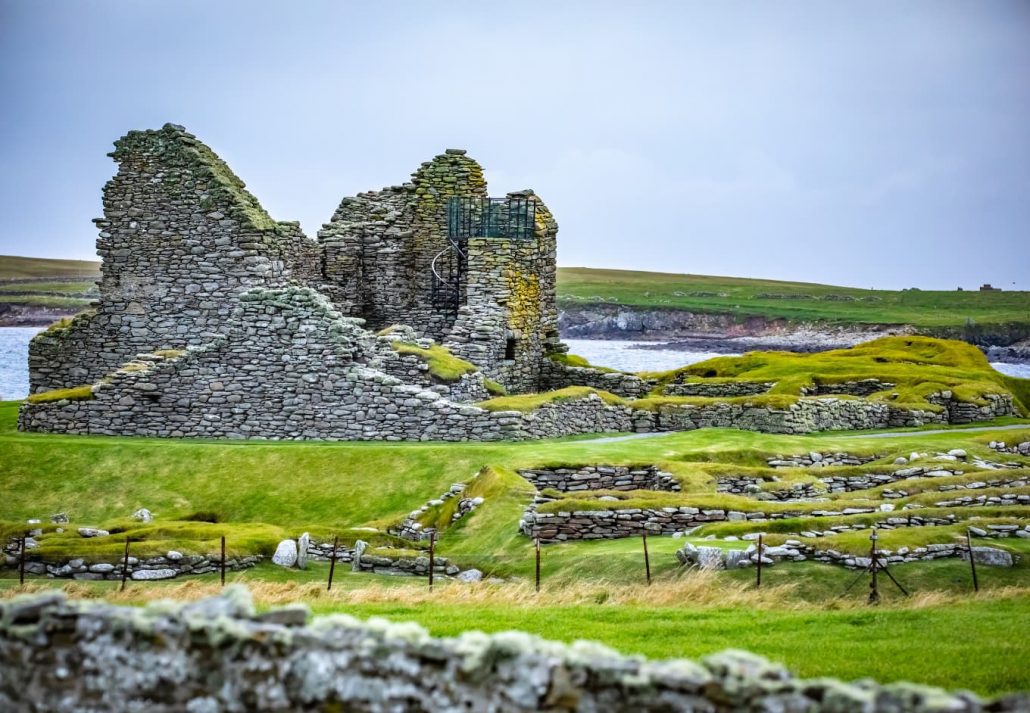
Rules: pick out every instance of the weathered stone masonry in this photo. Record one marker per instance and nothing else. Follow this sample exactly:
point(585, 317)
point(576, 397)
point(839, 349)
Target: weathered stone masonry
point(220, 655)
point(215, 320)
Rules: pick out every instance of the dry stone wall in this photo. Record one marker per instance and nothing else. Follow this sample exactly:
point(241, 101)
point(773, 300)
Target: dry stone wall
point(811, 414)
point(601, 477)
point(292, 367)
point(181, 238)
point(718, 390)
point(220, 655)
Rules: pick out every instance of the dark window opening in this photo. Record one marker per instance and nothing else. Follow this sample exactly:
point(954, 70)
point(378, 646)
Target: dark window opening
point(509, 349)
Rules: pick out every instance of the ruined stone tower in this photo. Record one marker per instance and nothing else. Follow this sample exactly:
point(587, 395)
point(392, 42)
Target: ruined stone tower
point(181, 239)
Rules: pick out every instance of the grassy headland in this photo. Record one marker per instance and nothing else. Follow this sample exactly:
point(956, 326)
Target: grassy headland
point(936, 312)
point(792, 301)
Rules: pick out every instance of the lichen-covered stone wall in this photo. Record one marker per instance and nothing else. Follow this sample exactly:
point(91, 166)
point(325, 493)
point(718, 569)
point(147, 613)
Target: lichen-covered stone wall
point(218, 654)
point(380, 245)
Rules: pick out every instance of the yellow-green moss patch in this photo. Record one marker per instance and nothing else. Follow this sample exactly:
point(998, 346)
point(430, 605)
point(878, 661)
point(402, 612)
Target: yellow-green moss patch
point(75, 393)
point(443, 365)
point(528, 402)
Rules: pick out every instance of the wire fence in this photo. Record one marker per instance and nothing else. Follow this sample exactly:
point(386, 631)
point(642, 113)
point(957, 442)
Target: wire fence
point(542, 563)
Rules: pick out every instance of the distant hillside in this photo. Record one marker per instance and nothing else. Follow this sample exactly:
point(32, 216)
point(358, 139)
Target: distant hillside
point(581, 287)
point(13, 267)
point(37, 291)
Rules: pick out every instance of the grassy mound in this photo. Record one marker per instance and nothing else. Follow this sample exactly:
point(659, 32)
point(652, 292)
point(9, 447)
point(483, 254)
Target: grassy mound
point(917, 366)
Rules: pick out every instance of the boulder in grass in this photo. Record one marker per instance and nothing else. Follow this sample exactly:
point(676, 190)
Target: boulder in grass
point(92, 532)
point(470, 575)
point(148, 574)
point(143, 515)
point(992, 557)
point(285, 554)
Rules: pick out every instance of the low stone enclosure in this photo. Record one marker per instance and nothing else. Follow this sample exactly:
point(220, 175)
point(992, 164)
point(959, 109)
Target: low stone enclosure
point(415, 305)
point(61, 655)
point(601, 477)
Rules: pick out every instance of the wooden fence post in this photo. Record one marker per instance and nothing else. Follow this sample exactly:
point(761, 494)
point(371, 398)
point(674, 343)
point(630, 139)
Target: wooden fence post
point(538, 565)
point(21, 562)
point(332, 563)
point(972, 560)
point(223, 561)
point(758, 580)
point(874, 592)
point(432, 561)
point(647, 559)
point(125, 565)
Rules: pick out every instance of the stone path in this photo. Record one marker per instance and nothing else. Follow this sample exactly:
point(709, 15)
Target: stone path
point(1013, 427)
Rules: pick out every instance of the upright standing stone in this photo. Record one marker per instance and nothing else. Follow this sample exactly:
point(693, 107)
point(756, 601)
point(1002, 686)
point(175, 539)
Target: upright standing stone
point(359, 549)
point(302, 550)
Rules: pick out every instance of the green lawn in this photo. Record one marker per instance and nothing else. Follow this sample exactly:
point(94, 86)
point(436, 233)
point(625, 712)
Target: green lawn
point(261, 491)
point(796, 301)
point(976, 641)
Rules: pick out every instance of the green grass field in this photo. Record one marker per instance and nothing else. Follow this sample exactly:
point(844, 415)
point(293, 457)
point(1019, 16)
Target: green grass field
point(794, 301)
point(261, 492)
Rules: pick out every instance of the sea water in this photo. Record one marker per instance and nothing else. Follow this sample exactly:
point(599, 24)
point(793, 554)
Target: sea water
point(617, 354)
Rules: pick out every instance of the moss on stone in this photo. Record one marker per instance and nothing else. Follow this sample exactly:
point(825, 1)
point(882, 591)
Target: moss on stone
point(494, 388)
point(918, 367)
point(529, 402)
point(76, 393)
point(575, 360)
point(443, 365)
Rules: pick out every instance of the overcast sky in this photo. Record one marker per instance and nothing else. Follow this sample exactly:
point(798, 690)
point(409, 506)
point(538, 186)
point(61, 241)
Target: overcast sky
point(867, 144)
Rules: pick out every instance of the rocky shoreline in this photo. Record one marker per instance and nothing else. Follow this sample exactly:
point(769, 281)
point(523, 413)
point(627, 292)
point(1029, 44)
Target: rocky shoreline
point(682, 330)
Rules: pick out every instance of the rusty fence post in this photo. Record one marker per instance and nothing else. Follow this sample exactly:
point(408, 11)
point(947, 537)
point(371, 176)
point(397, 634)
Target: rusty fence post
point(125, 565)
point(332, 562)
point(223, 561)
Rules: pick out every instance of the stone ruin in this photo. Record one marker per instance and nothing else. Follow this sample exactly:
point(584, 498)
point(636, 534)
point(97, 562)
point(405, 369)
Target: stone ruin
point(215, 320)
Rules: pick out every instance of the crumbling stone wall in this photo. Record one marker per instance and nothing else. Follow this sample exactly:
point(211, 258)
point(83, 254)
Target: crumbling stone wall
point(289, 366)
point(379, 246)
point(508, 323)
point(555, 375)
point(218, 654)
point(180, 239)
point(718, 390)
